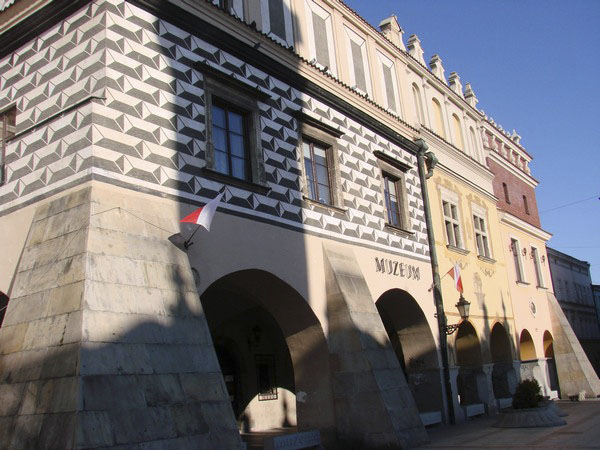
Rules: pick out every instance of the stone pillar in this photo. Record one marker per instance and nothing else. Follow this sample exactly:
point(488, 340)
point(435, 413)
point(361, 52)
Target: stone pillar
point(485, 386)
point(374, 405)
point(459, 414)
point(105, 342)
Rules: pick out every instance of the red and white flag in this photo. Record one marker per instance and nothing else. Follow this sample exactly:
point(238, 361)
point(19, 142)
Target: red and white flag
point(455, 273)
point(203, 216)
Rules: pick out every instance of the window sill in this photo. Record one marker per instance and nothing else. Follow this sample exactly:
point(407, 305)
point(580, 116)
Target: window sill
point(324, 207)
point(232, 181)
point(486, 259)
point(544, 288)
point(523, 283)
point(462, 251)
point(394, 229)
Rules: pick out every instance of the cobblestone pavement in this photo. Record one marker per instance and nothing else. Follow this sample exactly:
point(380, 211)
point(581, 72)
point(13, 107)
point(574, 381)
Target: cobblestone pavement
point(582, 431)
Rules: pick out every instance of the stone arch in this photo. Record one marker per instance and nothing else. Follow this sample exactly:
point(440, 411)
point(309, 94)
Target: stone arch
point(471, 378)
point(503, 373)
point(551, 373)
point(272, 331)
point(414, 345)
point(526, 346)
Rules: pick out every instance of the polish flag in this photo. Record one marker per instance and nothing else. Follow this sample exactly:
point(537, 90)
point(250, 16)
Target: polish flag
point(455, 273)
point(203, 216)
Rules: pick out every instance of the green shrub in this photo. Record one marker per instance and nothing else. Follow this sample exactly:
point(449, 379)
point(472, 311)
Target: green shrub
point(527, 395)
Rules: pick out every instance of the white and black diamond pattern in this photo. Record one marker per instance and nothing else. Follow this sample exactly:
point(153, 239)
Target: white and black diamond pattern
point(149, 126)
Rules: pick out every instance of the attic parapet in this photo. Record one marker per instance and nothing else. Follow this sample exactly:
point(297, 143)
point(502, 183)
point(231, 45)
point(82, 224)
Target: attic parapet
point(455, 84)
point(470, 96)
point(506, 145)
point(435, 64)
point(414, 48)
point(393, 31)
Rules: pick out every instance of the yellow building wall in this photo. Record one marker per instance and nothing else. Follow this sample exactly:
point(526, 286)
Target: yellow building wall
point(484, 280)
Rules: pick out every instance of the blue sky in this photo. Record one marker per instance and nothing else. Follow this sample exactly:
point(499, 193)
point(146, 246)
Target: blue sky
point(535, 67)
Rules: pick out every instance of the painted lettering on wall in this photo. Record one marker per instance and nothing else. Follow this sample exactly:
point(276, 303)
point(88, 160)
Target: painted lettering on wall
point(397, 268)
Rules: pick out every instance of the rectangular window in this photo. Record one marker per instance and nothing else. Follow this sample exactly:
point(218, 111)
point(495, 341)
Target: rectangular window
point(233, 131)
point(505, 189)
point(358, 61)
point(277, 20)
point(320, 36)
point(525, 205)
point(481, 236)
point(516, 251)
point(538, 269)
point(317, 168)
point(393, 200)
point(265, 377)
point(7, 131)
point(452, 224)
point(229, 133)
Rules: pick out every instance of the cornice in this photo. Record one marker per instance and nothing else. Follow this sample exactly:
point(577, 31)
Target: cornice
point(520, 224)
point(512, 169)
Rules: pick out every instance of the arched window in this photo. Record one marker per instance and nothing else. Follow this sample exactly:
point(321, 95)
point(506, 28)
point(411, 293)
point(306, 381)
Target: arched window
point(438, 118)
point(418, 104)
point(458, 134)
point(474, 151)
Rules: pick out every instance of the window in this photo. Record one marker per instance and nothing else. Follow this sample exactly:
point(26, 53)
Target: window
point(505, 189)
point(389, 82)
point(276, 19)
point(516, 251)
point(318, 145)
point(452, 224)
point(316, 166)
point(438, 118)
point(394, 192)
point(230, 134)
point(525, 205)
point(233, 151)
point(418, 104)
point(458, 134)
point(481, 236)
point(392, 200)
point(321, 41)
point(538, 269)
point(7, 131)
point(359, 74)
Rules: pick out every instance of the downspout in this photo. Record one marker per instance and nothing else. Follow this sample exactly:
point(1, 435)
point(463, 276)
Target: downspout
point(424, 157)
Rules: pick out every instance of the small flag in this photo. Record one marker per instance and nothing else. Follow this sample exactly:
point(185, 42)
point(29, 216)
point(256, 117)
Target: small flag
point(455, 273)
point(203, 216)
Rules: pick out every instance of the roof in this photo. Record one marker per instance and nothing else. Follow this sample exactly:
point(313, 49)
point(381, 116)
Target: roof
point(4, 4)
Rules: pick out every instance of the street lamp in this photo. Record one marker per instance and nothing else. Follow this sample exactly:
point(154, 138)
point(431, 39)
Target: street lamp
point(463, 310)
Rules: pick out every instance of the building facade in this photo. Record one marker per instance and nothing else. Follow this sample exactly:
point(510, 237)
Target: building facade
point(310, 304)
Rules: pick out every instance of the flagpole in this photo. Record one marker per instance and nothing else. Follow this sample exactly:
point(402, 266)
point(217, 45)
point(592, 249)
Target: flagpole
point(211, 208)
point(187, 244)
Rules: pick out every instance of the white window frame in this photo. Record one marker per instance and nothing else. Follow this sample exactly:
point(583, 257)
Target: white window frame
point(537, 266)
point(327, 16)
point(515, 246)
point(452, 199)
point(385, 61)
point(481, 214)
point(352, 36)
point(287, 17)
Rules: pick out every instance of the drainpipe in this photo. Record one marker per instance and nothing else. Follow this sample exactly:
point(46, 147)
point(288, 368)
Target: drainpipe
point(428, 158)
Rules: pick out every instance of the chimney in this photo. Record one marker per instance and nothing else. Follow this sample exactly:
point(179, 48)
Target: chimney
point(414, 48)
point(470, 97)
point(390, 29)
point(455, 84)
point(436, 67)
